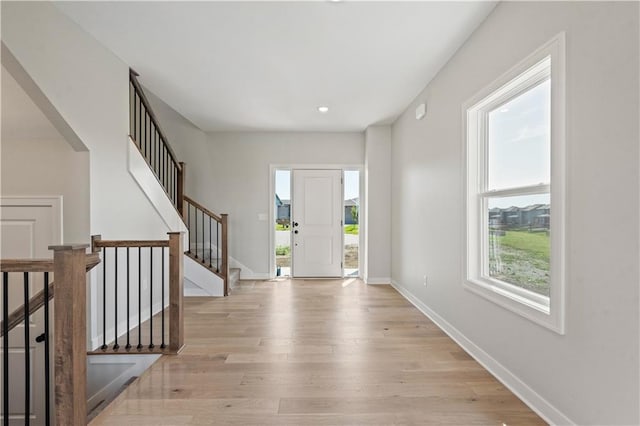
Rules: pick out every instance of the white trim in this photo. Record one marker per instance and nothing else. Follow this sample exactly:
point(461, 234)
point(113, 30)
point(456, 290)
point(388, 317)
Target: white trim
point(53, 201)
point(272, 193)
point(530, 397)
point(377, 280)
point(548, 312)
point(246, 273)
point(151, 187)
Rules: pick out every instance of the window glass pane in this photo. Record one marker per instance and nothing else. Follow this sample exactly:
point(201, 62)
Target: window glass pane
point(519, 242)
point(282, 210)
point(519, 140)
point(351, 222)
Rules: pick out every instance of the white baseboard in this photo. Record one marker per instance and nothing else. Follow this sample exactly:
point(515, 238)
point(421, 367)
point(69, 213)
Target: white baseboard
point(247, 273)
point(377, 280)
point(535, 401)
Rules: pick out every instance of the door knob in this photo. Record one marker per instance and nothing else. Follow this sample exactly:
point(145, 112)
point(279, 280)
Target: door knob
point(295, 232)
point(295, 223)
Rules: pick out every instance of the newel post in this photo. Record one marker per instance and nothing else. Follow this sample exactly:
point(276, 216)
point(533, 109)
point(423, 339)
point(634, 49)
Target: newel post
point(176, 292)
point(70, 334)
point(225, 252)
point(180, 183)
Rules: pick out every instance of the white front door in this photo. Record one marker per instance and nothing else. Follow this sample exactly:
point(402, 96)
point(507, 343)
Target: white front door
point(316, 223)
point(27, 228)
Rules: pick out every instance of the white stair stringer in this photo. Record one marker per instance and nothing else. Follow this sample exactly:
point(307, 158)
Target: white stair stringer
point(200, 281)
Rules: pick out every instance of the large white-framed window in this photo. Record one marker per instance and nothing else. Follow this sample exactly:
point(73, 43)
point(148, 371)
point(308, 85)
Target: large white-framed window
point(515, 188)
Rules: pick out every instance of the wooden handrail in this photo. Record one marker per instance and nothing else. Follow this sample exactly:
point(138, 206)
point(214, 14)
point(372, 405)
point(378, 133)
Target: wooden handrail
point(134, 80)
point(37, 301)
point(130, 243)
point(203, 208)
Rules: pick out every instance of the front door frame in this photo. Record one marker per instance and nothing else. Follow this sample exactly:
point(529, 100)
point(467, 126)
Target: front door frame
point(272, 196)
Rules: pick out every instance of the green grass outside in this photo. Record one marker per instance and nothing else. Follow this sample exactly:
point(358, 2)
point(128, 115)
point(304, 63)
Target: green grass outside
point(283, 250)
point(536, 244)
point(352, 229)
point(523, 259)
point(280, 227)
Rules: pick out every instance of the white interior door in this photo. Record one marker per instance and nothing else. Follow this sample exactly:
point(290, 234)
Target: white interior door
point(27, 228)
point(316, 223)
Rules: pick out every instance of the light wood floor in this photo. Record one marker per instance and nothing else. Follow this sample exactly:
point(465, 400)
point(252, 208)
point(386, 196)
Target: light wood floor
point(314, 352)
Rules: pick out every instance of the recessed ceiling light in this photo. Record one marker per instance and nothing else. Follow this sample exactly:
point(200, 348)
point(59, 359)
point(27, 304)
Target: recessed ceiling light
point(323, 109)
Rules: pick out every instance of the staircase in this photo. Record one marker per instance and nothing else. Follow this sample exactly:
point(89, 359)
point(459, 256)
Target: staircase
point(140, 285)
point(206, 258)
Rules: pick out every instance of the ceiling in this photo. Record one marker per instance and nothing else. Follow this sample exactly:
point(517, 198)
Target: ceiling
point(230, 66)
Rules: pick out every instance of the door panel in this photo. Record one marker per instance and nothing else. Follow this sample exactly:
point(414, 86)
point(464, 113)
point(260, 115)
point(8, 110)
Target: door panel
point(317, 223)
point(26, 231)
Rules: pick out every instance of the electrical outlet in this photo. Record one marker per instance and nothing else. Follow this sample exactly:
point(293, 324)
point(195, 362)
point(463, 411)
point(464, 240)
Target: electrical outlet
point(424, 280)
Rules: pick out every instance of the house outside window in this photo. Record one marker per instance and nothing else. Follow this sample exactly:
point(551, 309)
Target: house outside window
point(514, 191)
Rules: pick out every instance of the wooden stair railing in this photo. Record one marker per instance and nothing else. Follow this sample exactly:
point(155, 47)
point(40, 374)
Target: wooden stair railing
point(149, 138)
point(69, 266)
point(37, 301)
point(208, 239)
point(131, 256)
point(151, 141)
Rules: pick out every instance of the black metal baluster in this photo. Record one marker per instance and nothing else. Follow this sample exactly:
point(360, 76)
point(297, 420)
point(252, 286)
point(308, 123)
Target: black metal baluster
point(115, 300)
point(139, 298)
point(136, 120)
point(217, 246)
point(157, 158)
point(203, 261)
point(5, 348)
point(151, 345)
point(195, 217)
point(128, 346)
point(175, 184)
point(27, 354)
point(104, 300)
point(162, 346)
point(149, 136)
point(131, 109)
point(189, 225)
point(47, 367)
point(162, 162)
point(210, 245)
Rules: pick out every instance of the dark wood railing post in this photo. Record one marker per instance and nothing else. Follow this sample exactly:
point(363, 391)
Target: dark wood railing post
point(176, 292)
point(70, 334)
point(180, 192)
point(225, 252)
point(94, 240)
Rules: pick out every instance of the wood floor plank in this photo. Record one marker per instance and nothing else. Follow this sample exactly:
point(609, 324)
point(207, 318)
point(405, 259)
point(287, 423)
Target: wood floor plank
point(314, 352)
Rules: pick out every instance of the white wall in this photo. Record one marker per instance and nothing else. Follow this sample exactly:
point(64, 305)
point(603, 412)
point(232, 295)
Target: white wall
point(240, 163)
point(50, 167)
point(229, 173)
point(590, 375)
point(36, 160)
point(189, 143)
point(377, 169)
point(88, 85)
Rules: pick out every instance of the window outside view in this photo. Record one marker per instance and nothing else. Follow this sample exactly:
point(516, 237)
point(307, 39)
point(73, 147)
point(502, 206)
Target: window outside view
point(351, 222)
point(519, 157)
point(283, 219)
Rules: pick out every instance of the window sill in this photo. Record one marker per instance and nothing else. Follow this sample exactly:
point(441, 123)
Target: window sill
point(539, 313)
